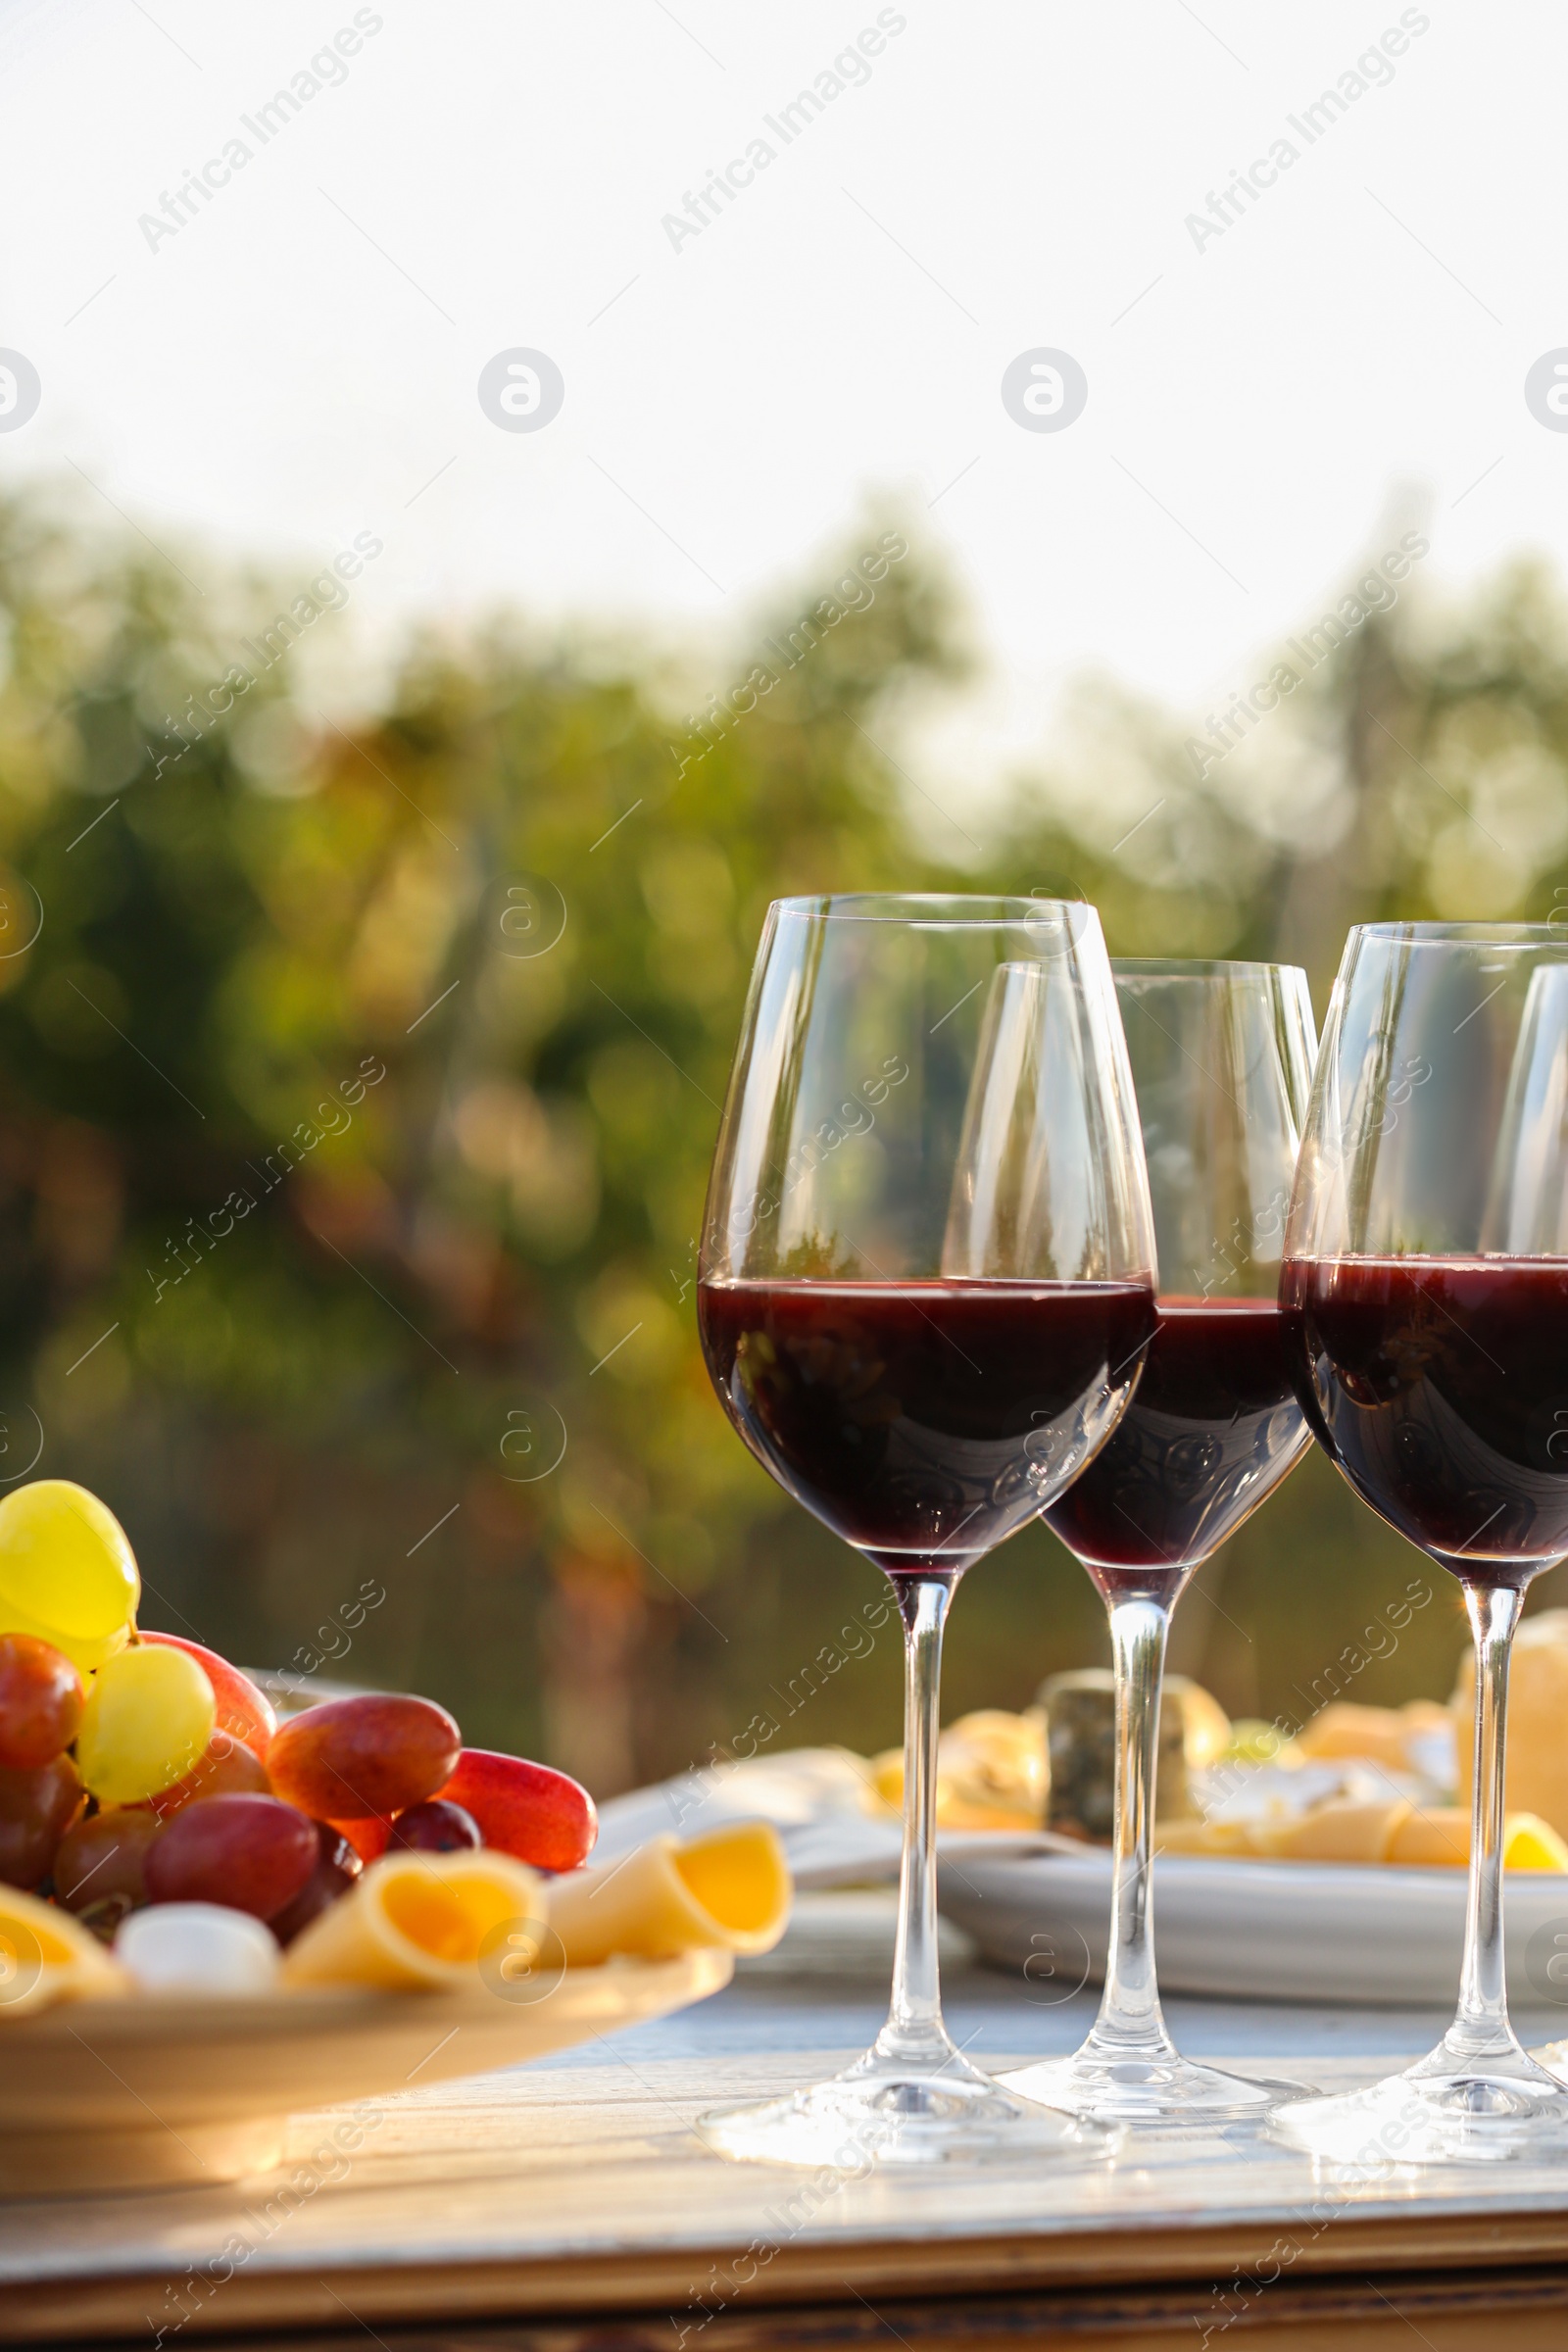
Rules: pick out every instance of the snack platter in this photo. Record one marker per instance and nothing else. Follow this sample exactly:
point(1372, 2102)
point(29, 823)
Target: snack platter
point(210, 1918)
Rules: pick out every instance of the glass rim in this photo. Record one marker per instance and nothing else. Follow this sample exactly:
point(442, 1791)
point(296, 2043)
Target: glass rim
point(933, 908)
point(1490, 935)
point(1194, 968)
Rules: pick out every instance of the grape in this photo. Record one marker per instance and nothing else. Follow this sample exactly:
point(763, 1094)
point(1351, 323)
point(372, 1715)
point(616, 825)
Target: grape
point(227, 1768)
point(67, 1572)
point(40, 1701)
point(356, 1756)
point(368, 1835)
point(436, 1827)
point(243, 1711)
point(36, 1809)
point(524, 1809)
point(250, 1852)
point(148, 1717)
point(99, 1865)
point(334, 1873)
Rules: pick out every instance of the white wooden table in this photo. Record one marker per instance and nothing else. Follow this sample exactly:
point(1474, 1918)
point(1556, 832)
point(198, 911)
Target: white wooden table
point(572, 2206)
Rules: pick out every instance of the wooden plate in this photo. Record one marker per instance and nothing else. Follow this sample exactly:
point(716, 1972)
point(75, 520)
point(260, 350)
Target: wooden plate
point(135, 2092)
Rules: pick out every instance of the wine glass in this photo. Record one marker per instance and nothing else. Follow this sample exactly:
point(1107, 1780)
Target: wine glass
point(1425, 1288)
point(925, 1288)
point(1221, 1058)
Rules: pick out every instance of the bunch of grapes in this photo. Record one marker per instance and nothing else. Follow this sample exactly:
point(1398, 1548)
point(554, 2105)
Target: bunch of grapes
point(137, 1768)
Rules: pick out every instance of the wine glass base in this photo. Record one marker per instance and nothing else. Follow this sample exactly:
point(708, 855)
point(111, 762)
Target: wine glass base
point(1495, 2109)
point(890, 2111)
point(1161, 2089)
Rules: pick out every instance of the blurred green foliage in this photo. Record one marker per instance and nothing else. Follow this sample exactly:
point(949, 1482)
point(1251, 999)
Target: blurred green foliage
point(361, 1079)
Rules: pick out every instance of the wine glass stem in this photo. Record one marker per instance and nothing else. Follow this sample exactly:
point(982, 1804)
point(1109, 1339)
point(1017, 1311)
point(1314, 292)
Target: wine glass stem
point(914, 2029)
point(1482, 2025)
point(1129, 2010)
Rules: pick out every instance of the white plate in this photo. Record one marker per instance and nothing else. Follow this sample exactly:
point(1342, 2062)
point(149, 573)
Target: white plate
point(1265, 1931)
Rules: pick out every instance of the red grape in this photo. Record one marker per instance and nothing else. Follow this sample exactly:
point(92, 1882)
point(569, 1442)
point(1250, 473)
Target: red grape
point(524, 1809)
point(40, 1701)
point(227, 1768)
point(250, 1852)
point(36, 1809)
point(336, 1869)
point(102, 1860)
point(377, 1754)
point(243, 1711)
point(368, 1836)
point(437, 1827)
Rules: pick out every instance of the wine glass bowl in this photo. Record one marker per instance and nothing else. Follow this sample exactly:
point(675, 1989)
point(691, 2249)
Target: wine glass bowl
point(1426, 1288)
point(925, 1290)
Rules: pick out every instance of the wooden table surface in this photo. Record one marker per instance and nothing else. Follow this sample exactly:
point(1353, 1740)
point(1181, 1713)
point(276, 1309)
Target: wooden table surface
point(572, 2206)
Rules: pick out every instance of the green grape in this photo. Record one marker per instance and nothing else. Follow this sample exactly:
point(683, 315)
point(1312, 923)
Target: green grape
point(67, 1573)
point(148, 1718)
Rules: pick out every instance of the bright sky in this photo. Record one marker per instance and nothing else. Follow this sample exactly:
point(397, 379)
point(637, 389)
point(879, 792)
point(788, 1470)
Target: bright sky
point(299, 361)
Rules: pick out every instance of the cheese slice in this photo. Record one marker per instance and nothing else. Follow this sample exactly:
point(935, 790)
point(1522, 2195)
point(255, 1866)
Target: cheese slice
point(1344, 1830)
point(47, 1955)
point(1442, 1834)
point(1198, 1836)
point(1538, 1719)
point(436, 1921)
point(1345, 1731)
point(730, 1890)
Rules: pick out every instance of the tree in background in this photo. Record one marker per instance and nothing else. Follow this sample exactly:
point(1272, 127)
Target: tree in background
point(361, 1080)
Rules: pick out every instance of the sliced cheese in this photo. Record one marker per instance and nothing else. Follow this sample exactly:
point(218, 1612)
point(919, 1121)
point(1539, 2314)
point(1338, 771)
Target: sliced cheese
point(47, 1955)
point(1435, 1835)
point(425, 1920)
point(1348, 1733)
point(1199, 1836)
point(1538, 1719)
point(1344, 1830)
point(730, 1890)
point(991, 1772)
point(1442, 1835)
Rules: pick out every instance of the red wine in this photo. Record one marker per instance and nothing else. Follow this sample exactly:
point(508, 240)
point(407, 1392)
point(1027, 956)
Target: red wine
point(1440, 1386)
point(1212, 1428)
point(923, 1421)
